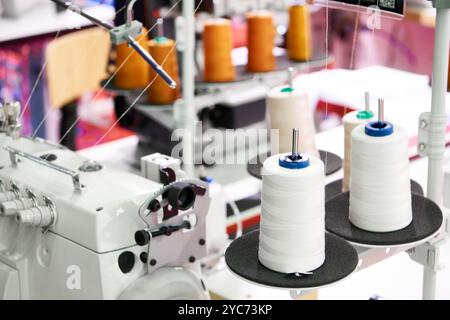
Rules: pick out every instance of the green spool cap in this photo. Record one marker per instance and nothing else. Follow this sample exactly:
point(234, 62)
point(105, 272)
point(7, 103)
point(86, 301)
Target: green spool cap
point(160, 39)
point(364, 115)
point(288, 89)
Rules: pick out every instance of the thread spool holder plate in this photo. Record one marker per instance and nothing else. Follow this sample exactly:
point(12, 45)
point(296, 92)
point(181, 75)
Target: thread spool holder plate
point(340, 262)
point(426, 223)
point(111, 87)
point(333, 163)
point(283, 63)
point(335, 188)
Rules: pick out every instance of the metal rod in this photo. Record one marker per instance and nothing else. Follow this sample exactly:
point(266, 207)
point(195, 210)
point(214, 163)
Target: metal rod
point(291, 77)
point(147, 57)
point(367, 98)
point(381, 110)
point(69, 6)
point(188, 86)
point(295, 137)
point(437, 126)
point(13, 153)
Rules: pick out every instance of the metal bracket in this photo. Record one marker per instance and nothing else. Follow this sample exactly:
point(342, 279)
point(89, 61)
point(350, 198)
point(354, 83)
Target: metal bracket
point(428, 255)
point(121, 33)
point(422, 139)
point(13, 153)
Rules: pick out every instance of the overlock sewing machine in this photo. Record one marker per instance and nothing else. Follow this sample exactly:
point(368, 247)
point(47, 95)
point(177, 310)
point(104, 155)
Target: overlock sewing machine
point(71, 228)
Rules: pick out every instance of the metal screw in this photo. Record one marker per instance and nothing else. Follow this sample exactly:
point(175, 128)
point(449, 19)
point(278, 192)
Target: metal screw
point(153, 262)
point(144, 257)
point(423, 124)
point(422, 146)
point(192, 259)
point(202, 242)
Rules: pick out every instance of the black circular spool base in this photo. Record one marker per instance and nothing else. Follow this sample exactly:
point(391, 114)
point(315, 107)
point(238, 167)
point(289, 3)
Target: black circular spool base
point(333, 163)
point(427, 220)
point(335, 188)
point(242, 259)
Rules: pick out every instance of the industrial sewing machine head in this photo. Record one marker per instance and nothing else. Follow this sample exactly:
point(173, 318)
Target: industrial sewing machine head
point(71, 228)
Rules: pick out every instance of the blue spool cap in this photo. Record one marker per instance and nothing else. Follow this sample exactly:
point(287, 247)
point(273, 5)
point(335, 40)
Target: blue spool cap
point(299, 161)
point(379, 129)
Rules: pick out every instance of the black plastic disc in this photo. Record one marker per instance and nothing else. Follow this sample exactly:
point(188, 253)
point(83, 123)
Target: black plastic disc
point(335, 188)
point(242, 259)
point(427, 219)
point(333, 163)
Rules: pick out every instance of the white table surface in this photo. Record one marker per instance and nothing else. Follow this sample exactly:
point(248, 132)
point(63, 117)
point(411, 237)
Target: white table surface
point(45, 20)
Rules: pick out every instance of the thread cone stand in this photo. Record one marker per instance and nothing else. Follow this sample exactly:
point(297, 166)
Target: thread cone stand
point(333, 163)
point(335, 188)
point(427, 220)
point(341, 261)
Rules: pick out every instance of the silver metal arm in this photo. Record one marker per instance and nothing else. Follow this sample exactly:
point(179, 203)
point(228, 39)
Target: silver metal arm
point(13, 153)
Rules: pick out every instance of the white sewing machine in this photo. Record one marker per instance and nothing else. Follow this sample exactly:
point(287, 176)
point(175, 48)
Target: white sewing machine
point(73, 229)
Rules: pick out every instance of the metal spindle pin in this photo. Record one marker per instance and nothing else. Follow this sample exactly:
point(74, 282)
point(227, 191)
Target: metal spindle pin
point(291, 77)
point(160, 23)
point(381, 110)
point(367, 98)
point(295, 133)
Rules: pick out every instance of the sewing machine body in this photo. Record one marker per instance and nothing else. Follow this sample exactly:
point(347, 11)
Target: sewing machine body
point(88, 249)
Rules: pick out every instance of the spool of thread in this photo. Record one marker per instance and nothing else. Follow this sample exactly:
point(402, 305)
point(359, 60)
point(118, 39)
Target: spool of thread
point(351, 121)
point(261, 41)
point(135, 72)
point(164, 52)
point(380, 197)
point(292, 230)
point(299, 43)
point(217, 46)
point(289, 108)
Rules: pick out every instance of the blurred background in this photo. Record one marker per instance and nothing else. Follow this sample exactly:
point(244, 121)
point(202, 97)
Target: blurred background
point(28, 27)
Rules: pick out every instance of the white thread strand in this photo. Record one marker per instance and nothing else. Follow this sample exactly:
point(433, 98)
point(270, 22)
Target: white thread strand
point(288, 110)
point(350, 121)
point(292, 230)
point(380, 197)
